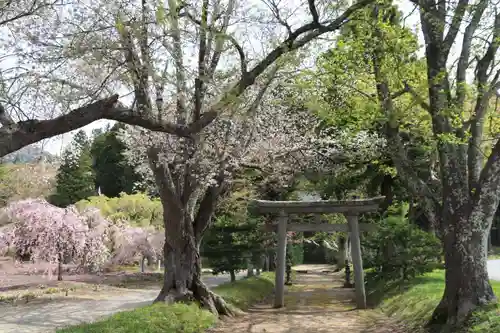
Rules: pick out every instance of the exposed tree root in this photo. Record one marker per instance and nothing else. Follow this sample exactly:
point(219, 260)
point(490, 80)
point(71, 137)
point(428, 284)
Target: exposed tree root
point(201, 294)
point(211, 301)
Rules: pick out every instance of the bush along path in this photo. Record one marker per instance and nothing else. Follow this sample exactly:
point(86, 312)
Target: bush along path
point(316, 302)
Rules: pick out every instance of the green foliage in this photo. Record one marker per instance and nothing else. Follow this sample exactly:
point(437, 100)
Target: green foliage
point(342, 90)
point(412, 302)
point(179, 317)
point(113, 174)
point(226, 245)
point(399, 250)
point(296, 253)
point(75, 176)
point(235, 236)
point(138, 209)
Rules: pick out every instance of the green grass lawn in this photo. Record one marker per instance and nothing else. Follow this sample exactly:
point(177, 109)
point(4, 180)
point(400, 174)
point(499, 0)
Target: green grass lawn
point(180, 318)
point(413, 303)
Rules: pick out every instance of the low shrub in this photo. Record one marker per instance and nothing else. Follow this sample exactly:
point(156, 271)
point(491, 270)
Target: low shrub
point(138, 209)
point(399, 250)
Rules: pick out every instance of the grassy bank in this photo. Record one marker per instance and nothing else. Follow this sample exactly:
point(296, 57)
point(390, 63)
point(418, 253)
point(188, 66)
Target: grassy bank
point(413, 303)
point(180, 318)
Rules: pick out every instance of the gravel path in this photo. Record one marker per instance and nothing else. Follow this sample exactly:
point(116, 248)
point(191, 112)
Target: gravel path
point(316, 302)
point(46, 317)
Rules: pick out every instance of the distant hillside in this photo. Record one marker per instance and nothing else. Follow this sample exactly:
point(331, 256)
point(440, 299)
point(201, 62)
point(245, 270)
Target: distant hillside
point(29, 154)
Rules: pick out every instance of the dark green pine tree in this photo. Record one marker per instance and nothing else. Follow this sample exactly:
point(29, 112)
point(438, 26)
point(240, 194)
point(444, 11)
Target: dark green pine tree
point(75, 177)
point(113, 174)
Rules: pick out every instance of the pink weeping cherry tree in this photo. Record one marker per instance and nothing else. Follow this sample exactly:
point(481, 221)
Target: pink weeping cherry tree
point(56, 235)
point(134, 243)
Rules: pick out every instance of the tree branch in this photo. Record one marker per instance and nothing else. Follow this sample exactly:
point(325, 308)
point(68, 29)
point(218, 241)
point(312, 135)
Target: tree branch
point(198, 82)
point(5, 119)
point(14, 136)
point(180, 74)
point(485, 90)
point(313, 10)
point(276, 12)
point(294, 41)
point(208, 204)
point(219, 42)
point(463, 61)
point(416, 96)
point(487, 195)
point(455, 25)
point(136, 69)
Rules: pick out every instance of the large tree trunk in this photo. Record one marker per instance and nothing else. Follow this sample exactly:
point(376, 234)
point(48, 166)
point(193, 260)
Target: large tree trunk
point(182, 273)
point(467, 282)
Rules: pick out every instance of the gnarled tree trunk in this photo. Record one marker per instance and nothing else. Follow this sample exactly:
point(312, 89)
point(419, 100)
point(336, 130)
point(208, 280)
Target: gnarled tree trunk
point(466, 235)
point(467, 282)
point(182, 279)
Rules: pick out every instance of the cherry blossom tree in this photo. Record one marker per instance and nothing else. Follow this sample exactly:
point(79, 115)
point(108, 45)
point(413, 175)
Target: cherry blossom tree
point(5, 241)
point(97, 251)
point(194, 72)
point(132, 243)
point(48, 233)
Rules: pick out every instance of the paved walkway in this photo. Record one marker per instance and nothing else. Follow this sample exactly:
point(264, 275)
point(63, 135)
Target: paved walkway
point(45, 317)
point(315, 303)
point(494, 269)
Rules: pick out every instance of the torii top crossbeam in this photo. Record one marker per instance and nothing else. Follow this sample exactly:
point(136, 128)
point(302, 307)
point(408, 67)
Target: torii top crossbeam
point(355, 206)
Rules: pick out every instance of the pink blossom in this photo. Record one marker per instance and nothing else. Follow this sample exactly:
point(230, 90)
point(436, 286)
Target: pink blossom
point(49, 233)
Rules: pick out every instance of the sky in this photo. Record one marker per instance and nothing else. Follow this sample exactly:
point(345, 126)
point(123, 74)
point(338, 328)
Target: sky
point(57, 144)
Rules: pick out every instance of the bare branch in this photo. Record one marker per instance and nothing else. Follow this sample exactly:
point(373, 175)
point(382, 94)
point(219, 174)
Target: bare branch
point(463, 61)
point(219, 42)
point(455, 25)
point(276, 12)
point(202, 55)
point(485, 90)
point(294, 41)
point(313, 10)
point(180, 74)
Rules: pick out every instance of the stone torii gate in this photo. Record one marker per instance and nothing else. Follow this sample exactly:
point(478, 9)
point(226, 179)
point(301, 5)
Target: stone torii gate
point(351, 210)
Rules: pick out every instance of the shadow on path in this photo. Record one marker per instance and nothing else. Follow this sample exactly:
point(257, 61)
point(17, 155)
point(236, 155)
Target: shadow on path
point(315, 303)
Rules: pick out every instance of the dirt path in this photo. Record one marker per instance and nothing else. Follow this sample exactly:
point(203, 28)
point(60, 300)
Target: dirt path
point(315, 303)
